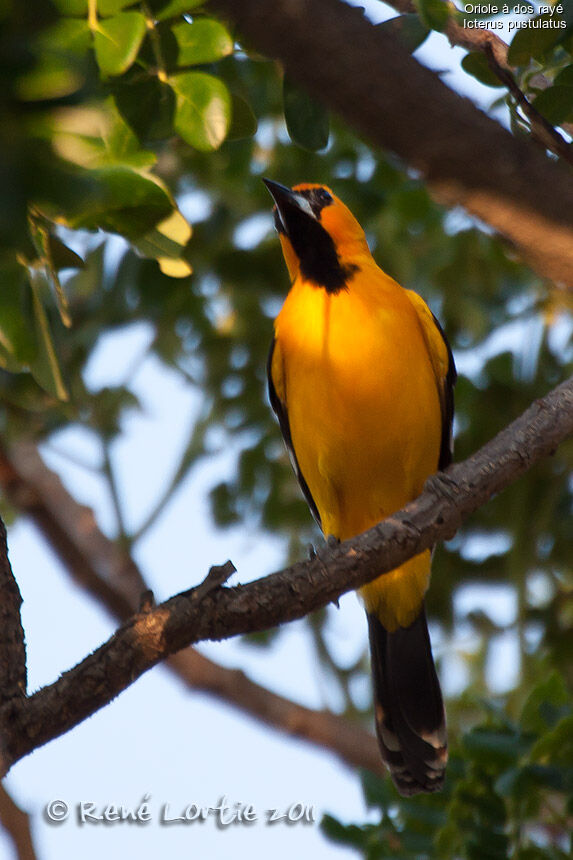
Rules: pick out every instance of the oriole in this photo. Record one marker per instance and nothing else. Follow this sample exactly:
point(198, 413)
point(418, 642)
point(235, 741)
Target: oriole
point(361, 378)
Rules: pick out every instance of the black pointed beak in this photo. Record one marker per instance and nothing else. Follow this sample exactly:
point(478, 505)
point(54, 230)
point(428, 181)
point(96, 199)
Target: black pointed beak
point(280, 193)
point(288, 204)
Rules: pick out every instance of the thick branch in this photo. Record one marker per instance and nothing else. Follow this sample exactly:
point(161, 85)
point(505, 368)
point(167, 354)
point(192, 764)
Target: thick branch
point(149, 637)
point(99, 566)
point(12, 645)
point(467, 158)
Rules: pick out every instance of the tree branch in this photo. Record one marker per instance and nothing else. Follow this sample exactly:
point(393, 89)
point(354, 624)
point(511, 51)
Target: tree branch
point(111, 576)
point(149, 637)
point(16, 823)
point(12, 645)
point(467, 158)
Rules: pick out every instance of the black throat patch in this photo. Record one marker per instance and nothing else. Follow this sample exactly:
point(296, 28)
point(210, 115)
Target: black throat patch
point(314, 247)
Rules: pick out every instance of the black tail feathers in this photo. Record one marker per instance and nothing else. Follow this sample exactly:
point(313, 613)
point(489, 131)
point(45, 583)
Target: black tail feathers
point(410, 718)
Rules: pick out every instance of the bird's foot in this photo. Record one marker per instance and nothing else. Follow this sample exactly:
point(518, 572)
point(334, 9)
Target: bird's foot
point(441, 484)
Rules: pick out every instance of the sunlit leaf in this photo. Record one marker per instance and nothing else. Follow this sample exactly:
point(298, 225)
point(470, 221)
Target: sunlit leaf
point(203, 109)
point(117, 41)
point(203, 40)
point(112, 7)
point(165, 243)
point(164, 9)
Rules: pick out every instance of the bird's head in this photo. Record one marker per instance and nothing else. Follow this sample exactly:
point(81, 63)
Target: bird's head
point(319, 234)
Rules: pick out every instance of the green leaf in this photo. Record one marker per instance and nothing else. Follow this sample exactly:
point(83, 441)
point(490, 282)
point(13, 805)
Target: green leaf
point(203, 115)
point(61, 256)
point(202, 41)
point(124, 202)
point(433, 13)
point(165, 243)
point(378, 792)
point(307, 120)
point(531, 42)
point(16, 325)
point(497, 747)
point(407, 28)
point(556, 745)
point(543, 707)
point(566, 12)
point(117, 41)
point(79, 8)
point(476, 65)
point(108, 406)
point(555, 104)
point(67, 36)
point(345, 834)
point(45, 368)
point(244, 121)
point(73, 8)
point(164, 9)
point(112, 7)
point(565, 77)
point(147, 105)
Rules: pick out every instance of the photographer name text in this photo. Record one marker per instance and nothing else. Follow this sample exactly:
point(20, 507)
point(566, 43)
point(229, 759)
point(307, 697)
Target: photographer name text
point(223, 814)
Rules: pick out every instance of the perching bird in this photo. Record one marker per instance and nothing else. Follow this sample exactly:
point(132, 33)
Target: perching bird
point(361, 378)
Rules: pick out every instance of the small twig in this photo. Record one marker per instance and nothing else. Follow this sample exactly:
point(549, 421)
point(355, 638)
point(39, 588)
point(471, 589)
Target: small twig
point(109, 473)
point(146, 602)
point(217, 576)
point(541, 129)
point(155, 42)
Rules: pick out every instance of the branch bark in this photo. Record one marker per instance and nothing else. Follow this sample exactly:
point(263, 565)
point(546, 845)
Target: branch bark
point(386, 95)
point(219, 613)
point(12, 645)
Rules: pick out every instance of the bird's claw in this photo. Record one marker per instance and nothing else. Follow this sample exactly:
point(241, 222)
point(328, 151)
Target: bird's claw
point(441, 484)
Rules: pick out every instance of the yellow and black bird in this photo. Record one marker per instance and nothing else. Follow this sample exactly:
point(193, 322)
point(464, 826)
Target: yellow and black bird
point(361, 378)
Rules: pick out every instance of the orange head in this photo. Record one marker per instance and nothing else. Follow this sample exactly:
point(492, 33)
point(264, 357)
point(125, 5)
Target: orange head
point(319, 234)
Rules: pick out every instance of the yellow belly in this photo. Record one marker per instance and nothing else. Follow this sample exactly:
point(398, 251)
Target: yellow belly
point(364, 415)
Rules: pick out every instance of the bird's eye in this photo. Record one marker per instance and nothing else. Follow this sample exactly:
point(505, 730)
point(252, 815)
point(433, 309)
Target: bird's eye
point(318, 199)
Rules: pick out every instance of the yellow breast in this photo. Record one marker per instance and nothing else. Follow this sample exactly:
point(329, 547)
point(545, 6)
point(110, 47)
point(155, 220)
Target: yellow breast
point(363, 410)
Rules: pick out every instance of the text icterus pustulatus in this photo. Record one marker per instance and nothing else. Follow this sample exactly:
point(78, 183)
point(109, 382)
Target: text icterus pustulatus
point(361, 378)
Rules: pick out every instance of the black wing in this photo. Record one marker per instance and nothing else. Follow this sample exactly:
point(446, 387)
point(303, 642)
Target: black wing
point(282, 415)
point(447, 444)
